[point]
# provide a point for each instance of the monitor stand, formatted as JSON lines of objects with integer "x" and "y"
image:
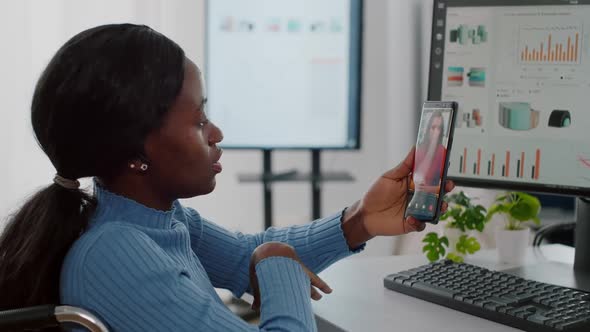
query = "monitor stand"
{"x": 561, "y": 274}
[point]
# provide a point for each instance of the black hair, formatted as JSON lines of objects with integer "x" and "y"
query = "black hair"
{"x": 93, "y": 106}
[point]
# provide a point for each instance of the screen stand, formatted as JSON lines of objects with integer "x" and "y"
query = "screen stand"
{"x": 316, "y": 177}
{"x": 582, "y": 236}
{"x": 561, "y": 274}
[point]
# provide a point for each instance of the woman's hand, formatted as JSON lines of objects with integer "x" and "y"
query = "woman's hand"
{"x": 381, "y": 210}
{"x": 383, "y": 206}
{"x": 271, "y": 249}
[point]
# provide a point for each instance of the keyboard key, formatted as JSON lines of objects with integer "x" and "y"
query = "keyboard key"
{"x": 540, "y": 319}
{"x": 439, "y": 291}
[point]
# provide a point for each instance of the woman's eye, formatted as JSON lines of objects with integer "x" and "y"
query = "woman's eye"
{"x": 203, "y": 123}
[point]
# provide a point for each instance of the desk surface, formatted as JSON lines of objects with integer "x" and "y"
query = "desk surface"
{"x": 360, "y": 302}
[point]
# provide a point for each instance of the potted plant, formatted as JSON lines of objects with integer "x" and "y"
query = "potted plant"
{"x": 461, "y": 218}
{"x": 518, "y": 208}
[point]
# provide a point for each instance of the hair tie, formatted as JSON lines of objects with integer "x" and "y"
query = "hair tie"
{"x": 66, "y": 183}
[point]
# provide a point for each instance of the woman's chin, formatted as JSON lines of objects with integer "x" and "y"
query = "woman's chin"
{"x": 203, "y": 189}
{"x": 212, "y": 185}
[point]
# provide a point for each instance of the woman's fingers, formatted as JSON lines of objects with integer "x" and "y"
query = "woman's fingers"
{"x": 449, "y": 186}
{"x": 315, "y": 294}
{"x": 415, "y": 224}
{"x": 319, "y": 283}
{"x": 444, "y": 207}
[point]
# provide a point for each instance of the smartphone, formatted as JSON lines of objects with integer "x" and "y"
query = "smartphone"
{"x": 433, "y": 146}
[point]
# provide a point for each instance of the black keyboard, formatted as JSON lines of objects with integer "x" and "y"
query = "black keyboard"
{"x": 525, "y": 304}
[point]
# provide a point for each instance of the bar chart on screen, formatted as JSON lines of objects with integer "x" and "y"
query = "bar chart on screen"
{"x": 550, "y": 45}
{"x": 501, "y": 164}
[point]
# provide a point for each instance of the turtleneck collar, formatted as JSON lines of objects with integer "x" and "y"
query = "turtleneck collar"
{"x": 113, "y": 207}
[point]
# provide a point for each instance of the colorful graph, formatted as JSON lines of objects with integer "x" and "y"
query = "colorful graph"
{"x": 555, "y": 45}
{"x": 455, "y": 76}
{"x": 465, "y": 34}
{"x": 502, "y": 164}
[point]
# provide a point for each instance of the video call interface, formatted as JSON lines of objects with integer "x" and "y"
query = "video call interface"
{"x": 521, "y": 76}
{"x": 429, "y": 162}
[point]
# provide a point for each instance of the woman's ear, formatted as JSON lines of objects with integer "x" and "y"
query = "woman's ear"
{"x": 139, "y": 164}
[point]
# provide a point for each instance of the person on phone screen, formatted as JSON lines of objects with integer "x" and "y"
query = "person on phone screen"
{"x": 122, "y": 104}
{"x": 430, "y": 156}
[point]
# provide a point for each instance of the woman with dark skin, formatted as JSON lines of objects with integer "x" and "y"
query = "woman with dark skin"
{"x": 122, "y": 104}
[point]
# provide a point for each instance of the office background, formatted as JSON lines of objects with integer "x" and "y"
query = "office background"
{"x": 395, "y": 61}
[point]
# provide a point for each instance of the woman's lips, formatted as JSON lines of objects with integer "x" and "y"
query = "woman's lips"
{"x": 217, "y": 167}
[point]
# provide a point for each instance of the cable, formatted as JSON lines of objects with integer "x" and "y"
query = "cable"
{"x": 547, "y": 230}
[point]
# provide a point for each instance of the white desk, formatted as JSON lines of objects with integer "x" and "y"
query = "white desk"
{"x": 360, "y": 302}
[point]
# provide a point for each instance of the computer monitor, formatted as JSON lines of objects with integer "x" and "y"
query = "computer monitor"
{"x": 520, "y": 71}
{"x": 285, "y": 74}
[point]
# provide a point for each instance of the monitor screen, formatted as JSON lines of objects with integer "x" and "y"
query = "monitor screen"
{"x": 520, "y": 71}
{"x": 284, "y": 73}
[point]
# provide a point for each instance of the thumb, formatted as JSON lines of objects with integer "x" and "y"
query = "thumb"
{"x": 404, "y": 168}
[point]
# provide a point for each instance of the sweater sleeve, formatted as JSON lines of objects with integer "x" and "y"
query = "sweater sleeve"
{"x": 226, "y": 255}
{"x": 132, "y": 285}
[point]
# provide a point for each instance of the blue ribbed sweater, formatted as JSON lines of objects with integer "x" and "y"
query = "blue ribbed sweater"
{"x": 139, "y": 269}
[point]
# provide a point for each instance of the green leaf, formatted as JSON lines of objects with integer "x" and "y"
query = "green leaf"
{"x": 432, "y": 256}
{"x": 455, "y": 257}
{"x": 431, "y": 237}
{"x": 467, "y": 244}
{"x": 522, "y": 211}
{"x": 526, "y": 208}
{"x": 480, "y": 209}
{"x": 435, "y": 246}
{"x": 518, "y": 206}
{"x": 498, "y": 208}
{"x": 460, "y": 246}
{"x": 472, "y": 245}
{"x": 501, "y": 197}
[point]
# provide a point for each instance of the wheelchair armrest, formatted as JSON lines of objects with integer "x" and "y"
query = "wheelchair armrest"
{"x": 29, "y": 318}
{"x": 49, "y": 316}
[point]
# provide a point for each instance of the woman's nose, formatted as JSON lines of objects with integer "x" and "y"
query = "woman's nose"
{"x": 216, "y": 135}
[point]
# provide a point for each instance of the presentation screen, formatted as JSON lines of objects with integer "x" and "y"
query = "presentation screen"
{"x": 284, "y": 74}
{"x": 520, "y": 71}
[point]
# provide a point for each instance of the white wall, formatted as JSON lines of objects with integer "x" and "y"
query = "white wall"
{"x": 393, "y": 63}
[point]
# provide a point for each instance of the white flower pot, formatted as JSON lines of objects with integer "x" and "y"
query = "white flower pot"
{"x": 512, "y": 245}
{"x": 452, "y": 235}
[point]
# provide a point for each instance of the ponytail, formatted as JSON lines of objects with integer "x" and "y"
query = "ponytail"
{"x": 100, "y": 96}
{"x": 35, "y": 242}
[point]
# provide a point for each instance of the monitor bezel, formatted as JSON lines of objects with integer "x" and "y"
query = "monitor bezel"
{"x": 354, "y": 88}
{"x": 439, "y": 13}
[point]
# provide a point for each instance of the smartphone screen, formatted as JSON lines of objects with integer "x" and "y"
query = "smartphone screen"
{"x": 433, "y": 145}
